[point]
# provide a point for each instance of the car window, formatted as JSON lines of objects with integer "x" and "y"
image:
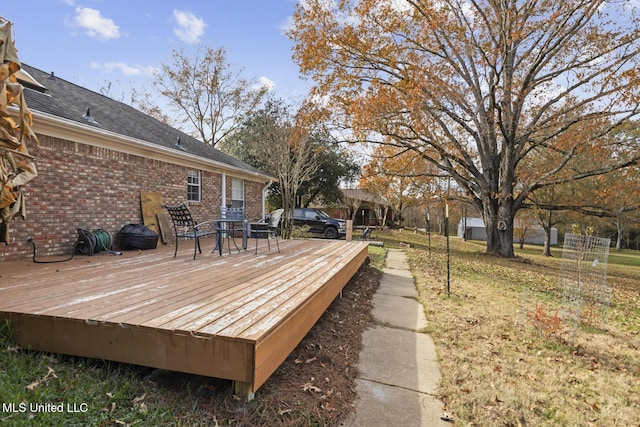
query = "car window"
{"x": 322, "y": 214}
{"x": 298, "y": 213}
{"x": 310, "y": 214}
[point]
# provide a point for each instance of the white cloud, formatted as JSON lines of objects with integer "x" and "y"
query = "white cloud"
{"x": 401, "y": 6}
{"x": 94, "y": 24}
{"x": 287, "y": 26}
{"x": 189, "y": 27}
{"x": 127, "y": 70}
{"x": 265, "y": 82}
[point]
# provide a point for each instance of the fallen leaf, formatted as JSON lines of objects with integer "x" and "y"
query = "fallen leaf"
{"x": 313, "y": 359}
{"x": 310, "y": 387}
{"x": 593, "y": 405}
{"x": 139, "y": 398}
{"x": 446, "y": 416}
{"x": 50, "y": 374}
{"x": 327, "y": 407}
{"x": 33, "y": 385}
{"x": 142, "y": 408}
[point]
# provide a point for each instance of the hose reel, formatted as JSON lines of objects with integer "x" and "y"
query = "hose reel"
{"x": 88, "y": 243}
{"x": 92, "y": 242}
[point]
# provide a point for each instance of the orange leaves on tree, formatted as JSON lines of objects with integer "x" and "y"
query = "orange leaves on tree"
{"x": 500, "y": 96}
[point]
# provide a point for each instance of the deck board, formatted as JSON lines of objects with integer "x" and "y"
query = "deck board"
{"x": 234, "y": 316}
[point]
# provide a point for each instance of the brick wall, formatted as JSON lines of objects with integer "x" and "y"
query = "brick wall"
{"x": 80, "y": 186}
{"x": 253, "y": 199}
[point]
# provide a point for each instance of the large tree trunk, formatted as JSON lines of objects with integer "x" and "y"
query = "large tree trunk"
{"x": 288, "y": 204}
{"x": 546, "y": 251}
{"x": 619, "y": 238}
{"x": 547, "y": 225}
{"x": 498, "y": 222}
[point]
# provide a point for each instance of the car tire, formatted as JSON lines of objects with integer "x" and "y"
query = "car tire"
{"x": 330, "y": 233}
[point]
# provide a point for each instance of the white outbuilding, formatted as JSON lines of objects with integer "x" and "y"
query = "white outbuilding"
{"x": 475, "y": 230}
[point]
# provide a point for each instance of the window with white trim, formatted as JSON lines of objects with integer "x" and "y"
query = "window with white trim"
{"x": 237, "y": 193}
{"x": 194, "y": 188}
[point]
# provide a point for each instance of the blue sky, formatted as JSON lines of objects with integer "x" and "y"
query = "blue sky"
{"x": 91, "y": 42}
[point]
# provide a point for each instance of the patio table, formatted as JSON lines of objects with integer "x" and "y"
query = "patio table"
{"x": 230, "y": 225}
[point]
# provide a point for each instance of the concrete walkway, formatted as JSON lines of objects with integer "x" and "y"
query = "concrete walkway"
{"x": 398, "y": 364}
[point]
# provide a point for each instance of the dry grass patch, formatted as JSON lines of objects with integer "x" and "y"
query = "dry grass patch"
{"x": 505, "y": 359}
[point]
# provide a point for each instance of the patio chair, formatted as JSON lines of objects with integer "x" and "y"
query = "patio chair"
{"x": 267, "y": 228}
{"x": 366, "y": 234}
{"x": 186, "y": 227}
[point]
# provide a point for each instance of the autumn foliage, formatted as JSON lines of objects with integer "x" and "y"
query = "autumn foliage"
{"x": 500, "y": 96}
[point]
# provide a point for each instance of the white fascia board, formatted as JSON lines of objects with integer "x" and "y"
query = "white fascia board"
{"x": 58, "y": 127}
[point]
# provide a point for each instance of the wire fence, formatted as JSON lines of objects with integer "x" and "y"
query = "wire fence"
{"x": 586, "y": 298}
{"x": 583, "y": 298}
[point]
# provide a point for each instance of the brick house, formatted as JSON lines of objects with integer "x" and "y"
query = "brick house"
{"x": 97, "y": 155}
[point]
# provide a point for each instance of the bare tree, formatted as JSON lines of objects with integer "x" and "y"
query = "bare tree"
{"x": 281, "y": 144}
{"x": 212, "y": 95}
{"x": 144, "y": 101}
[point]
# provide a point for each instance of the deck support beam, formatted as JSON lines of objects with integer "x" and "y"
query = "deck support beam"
{"x": 243, "y": 390}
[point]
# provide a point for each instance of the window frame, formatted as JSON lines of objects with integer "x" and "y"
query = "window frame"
{"x": 194, "y": 185}
{"x": 237, "y": 203}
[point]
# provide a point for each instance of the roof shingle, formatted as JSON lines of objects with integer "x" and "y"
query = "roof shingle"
{"x": 70, "y": 101}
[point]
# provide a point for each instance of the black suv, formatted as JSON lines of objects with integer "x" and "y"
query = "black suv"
{"x": 319, "y": 222}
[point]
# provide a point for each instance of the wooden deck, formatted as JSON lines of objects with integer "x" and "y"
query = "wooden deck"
{"x": 234, "y": 316}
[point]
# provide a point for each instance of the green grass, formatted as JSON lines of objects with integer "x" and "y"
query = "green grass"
{"x": 86, "y": 391}
{"x": 44, "y": 389}
{"x": 624, "y": 257}
{"x": 377, "y": 256}
{"x": 497, "y": 368}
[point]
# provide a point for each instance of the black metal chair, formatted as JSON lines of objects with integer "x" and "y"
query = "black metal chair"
{"x": 366, "y": 234}
{"x": 186, "y": 227}
{"x": 267, "y": 228}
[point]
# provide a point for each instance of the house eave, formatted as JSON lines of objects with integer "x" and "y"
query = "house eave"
{"x": 58, "y": 127}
